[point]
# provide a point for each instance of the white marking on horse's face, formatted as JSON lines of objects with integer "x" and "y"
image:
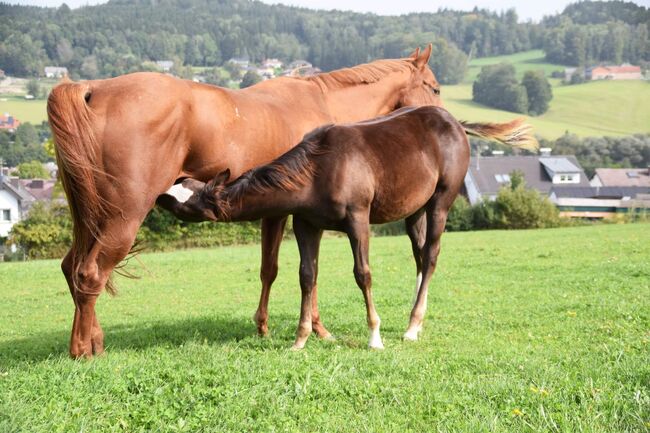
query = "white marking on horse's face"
{"x": 180, "y": 193}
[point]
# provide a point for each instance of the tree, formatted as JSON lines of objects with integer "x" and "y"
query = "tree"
{"x": 32, "y": 170}
{"x": 539, "y": 92}
{"x": 517, "y": 207}
{"x": 33, "y": 88}
{"x": 250, "y": 78}
{"x": 497, "y": 87}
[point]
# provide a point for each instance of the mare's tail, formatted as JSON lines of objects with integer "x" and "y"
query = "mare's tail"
{"x": 515, "y": 133}
{"x": 77, "y": 150}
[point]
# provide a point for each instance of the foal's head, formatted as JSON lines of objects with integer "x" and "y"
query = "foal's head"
{"x": 212, "y": 198}
{"x": 423, "y": 88}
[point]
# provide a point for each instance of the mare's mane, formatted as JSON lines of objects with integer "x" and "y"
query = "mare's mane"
{"x": 361, "y": 74}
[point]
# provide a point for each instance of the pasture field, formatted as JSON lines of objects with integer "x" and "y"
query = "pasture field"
{"x": 591, "y": 109}
{"x": 33, "y": 111}
{"x": 523, "y": 61}
{"x": 527, "y": 331}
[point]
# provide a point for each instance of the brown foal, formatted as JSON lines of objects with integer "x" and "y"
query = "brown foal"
{"x": 408, "y": 165}
{"x": 114, "y": 136}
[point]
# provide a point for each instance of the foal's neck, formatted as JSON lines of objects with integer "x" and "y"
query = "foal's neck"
{"x": 364, "y": 101}
{"x": 252, "y": 205}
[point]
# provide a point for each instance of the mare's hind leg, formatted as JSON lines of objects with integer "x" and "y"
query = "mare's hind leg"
{"x": 308, "y": 238}
{"x": 359, "y": 234}
{"x": 416, "y": 228}
{"x": 113, "y": 245}
{"x": 436, "y": 218}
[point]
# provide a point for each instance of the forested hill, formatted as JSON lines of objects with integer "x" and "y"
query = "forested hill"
{"x": 117, "y": 37}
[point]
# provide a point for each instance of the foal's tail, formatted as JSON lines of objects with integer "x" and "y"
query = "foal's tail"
{"x": 515, "y": 133}
{"x": 76, "y": 146}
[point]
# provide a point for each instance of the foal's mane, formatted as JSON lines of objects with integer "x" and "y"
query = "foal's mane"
{"x": 288, "y": 172}
{"x": 361, "y": 74}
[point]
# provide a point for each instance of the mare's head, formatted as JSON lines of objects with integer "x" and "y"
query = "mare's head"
{"x": 423, "y": 88}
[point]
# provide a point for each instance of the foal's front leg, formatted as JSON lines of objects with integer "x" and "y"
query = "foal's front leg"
{"x": 359, "y": 234}
{"x": 308, "y": 238}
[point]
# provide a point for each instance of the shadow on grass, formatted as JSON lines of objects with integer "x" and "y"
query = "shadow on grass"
{"x": 135, "y": 336}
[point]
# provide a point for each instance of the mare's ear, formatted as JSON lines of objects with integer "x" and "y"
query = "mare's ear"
{"x": 414, "y": 55}
{"x": 422, "y": 59}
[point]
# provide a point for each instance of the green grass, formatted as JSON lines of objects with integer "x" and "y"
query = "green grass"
{"x": 26, "y": 111}
{"x": 543, "y": 330}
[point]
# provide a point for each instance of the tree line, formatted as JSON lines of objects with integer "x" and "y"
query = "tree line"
{"x": 123, "y": 35}
{"x": 497, "y": 86}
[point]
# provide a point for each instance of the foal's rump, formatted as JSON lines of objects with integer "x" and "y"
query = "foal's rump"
{"x": 415, "y": 154}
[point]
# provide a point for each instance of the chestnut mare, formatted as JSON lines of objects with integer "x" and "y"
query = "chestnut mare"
{"x": 408, "y": 165}
{"x": 114, "y": 136}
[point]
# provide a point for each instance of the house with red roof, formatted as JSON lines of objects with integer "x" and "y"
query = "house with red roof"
{"x": 8, "y": 121}
{"x": 623, "y": 72}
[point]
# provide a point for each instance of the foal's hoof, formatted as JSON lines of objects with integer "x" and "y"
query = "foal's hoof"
{"x": 297, "y": 347}
{"x": 376, "y": 346}
{"x": 410, "y": 336}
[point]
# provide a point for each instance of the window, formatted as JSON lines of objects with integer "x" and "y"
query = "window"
{"x": 6, "y": 215}
{"x": 569, "y": 178}
{"x": 502, "y": 178}
{"x": 562, "y": 178}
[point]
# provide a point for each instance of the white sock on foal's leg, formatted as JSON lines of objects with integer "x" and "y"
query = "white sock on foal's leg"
{"x": 375, "y": 337}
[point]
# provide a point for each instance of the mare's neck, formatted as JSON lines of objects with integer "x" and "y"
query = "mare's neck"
{"x": 364, "y": 101}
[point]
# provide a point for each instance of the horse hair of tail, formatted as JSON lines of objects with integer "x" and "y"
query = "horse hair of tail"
{"x": 76, "y": 151}
{"x": 515, "y": 133}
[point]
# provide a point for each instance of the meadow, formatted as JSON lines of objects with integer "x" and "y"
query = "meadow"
{"x": 592, "y": 109}
{"x": 527, "y": 331}
{"x": 33, "y": 111}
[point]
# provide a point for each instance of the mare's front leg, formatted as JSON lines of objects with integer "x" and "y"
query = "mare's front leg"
{"x": 359, "y": 234}
{"x": 308, "y": 238}
{"x": 272, "y": 231}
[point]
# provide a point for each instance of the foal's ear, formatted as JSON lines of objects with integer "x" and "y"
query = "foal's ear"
{"x": 414, "y": 55}
{"x": 422, "y": 59}
{"x": 222, "y": 177}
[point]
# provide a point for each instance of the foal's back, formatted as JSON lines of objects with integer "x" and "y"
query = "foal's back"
{"x": 392, "y": 166}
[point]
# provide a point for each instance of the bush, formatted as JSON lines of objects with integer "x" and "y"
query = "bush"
{"x": 520, "y": 208}
{"x": 460, "y": 215}
{"x": 45, "y": 233}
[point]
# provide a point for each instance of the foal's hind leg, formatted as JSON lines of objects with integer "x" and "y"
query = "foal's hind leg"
{"x": 359, "y": 234}
{"x": 436, "y": 218}
{"x": 113, "y": 245}
{"x": 416, "y": 228}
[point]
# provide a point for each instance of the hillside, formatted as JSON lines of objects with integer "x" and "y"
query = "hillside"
{"x": 590, "y": 109}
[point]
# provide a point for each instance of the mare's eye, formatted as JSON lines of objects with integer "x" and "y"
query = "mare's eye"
{"x": 435, "y": 91}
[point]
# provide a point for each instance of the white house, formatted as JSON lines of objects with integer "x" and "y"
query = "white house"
{"x": 55, "y": 71}
{"x": 15, "y": 200}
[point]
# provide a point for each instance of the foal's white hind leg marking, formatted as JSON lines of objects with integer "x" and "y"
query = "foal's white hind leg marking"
{"x": 375, "y": 337}
{"x": 411, "y": 334}
{"x": 180, "y": 193}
